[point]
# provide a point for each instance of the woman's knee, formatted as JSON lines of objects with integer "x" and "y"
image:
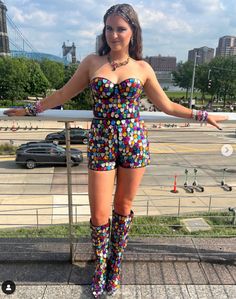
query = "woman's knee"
{"x": 123, "y": 207}
{"x": 99, "y": 218}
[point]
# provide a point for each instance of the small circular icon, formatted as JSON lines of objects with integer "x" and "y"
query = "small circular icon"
{"x": 227, "y": 150}
{"x": 8, "y": 287}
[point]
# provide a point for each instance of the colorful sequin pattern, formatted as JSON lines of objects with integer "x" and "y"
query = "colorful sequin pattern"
{"x": 118, "y": 142}
{"x": 119, "y": 238}
{"x": 100, "y": 239}
{"x": 119, "y": 101}
{"x": 118, "y": 137}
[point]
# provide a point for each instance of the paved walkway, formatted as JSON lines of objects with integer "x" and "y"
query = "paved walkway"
{"x": 167, "y": 268}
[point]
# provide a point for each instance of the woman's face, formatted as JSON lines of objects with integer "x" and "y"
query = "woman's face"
{"x": 118, "y": 33}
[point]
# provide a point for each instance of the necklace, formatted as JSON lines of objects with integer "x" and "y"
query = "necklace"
{"x": 115, "y": 65}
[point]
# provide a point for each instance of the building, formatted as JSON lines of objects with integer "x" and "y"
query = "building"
{"x": 226, "y": 46}
{"x": 204, "y": 54}
{"x": 4, "y": 40}
{"x": 98, "y": 42}
{"x": 162, "y": 63}
{"x": 163, "y": 67}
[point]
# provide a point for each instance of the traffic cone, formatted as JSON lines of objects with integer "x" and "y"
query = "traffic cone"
{"x": 175, "y": 187}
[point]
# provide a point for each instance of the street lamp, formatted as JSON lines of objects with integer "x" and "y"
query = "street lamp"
{"x": 193, "y": 78}
{"x": 208, "y": 79}
{"x": 209, "y": 74}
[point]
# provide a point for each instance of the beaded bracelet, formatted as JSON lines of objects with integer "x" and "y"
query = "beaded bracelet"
{"x": 33, "y": 109}
{"x": 199, "y": 115}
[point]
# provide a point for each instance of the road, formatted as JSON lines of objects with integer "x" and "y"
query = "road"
{"x": 41, "y": 193}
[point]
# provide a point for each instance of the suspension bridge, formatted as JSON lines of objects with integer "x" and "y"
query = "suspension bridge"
{"x": 13, "y": 42}
{"x": 17, "y": 40}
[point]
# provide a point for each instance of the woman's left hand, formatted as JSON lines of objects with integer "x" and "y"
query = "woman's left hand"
{"x": 214, "y": 119}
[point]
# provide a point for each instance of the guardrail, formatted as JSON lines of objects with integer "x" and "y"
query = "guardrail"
{"x": 46, "y": 197}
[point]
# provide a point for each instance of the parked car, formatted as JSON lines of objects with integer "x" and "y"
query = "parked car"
{"x": 32, "y": 154}
{"x": 77, "y": 135}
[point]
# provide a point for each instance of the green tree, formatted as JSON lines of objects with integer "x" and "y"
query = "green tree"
{"x": 69, "y": 71}
{"x": 84, "y": 100}
{"x": 223, "y": 77}
{"x": 201, "y": 79}
{"x": 183, "y": 75}
{"x": 13, "y": 78}
{"x": 37, "y": 83}
{"x": 21, "y": 77}
{"x": 54, "y": 72}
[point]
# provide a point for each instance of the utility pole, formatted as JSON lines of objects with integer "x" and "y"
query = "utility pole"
{"x": 193, "y": 79}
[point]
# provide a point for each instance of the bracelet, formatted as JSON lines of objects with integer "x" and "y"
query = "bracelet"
{"x": 199, "y": 115}
{"x": 33, "y": 109}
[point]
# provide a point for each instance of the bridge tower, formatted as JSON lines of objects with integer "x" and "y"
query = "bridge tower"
{"x": 69, "y": 50}
{"x": 4, "y": 40}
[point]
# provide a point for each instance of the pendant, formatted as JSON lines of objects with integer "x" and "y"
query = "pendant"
{"x": 115, "y": 65}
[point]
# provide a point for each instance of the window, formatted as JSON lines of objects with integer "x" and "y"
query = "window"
{"x": 37, "y": 150}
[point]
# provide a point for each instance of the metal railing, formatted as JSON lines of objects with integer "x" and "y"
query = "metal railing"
{"x": 44, "y": 197}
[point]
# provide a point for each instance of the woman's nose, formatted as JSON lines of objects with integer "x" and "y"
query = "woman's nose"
{"x": 114, "y": 32}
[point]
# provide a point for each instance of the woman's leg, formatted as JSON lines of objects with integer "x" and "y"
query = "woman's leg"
{"x": 100, "y": 189}
{"x": 101, "y": 184}
{"x": 128, "y": 181}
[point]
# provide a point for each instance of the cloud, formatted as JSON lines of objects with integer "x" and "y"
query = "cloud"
{"x": 203, "y": 6}
{"x": 34, "y": 17}
{"x": 170, "y": 27}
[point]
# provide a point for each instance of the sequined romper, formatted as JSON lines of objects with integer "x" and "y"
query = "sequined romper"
{"x": 117, "y": 136}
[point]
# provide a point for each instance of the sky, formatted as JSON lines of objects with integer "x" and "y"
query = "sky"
{"x": 169, "y": 27}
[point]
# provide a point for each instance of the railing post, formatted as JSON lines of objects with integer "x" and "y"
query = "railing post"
{"x": 209, "y": 206}
{"x": 69, "y": 186}
{"x": 37, "y": 218}
{"x": 179, "y": 207}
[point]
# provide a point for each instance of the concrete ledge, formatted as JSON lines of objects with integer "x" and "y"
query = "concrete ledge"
{"x": 170, "y": 249}
{"x": 139, "y": 249}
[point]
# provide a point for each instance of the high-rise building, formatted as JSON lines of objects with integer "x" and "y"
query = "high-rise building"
{"x": 226, "y": 46}
{"x": 4, "y": 40}
{"x": 204, "y": 54}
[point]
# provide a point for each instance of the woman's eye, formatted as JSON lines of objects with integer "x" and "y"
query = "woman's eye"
{"x": 108, "y": 29}
{"x": 121, "y": 29}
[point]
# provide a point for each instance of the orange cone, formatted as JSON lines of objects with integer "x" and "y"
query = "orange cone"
{"x": 175, "y": 185}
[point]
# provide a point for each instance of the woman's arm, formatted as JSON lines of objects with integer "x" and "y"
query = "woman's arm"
{"x": 158, "y": 97}
{"x": 75, "y": 85}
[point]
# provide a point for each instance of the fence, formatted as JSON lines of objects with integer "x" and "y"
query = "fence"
{"x": 47, "y": 208}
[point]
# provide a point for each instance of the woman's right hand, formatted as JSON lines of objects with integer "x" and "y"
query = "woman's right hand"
{"x": 15, "y": 112}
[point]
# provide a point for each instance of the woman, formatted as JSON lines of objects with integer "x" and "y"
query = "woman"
{"x": 118, "y": 147}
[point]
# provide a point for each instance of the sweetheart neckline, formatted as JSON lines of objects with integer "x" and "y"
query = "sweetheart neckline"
{"x": 115, "y": 83}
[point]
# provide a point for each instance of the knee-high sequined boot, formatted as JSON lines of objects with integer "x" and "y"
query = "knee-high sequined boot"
{"x": 100, "y": 239}
{"x": 119, "y": 238}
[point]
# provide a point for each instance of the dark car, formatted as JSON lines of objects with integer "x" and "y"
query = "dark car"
{"x": 32, "y": 154}
{"x": 77, "y": 135}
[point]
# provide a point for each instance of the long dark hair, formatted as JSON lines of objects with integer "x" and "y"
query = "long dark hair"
{"x": 127, "y": 12}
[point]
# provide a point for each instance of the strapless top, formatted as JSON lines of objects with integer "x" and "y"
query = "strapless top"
{"x": 116, "y": 100}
